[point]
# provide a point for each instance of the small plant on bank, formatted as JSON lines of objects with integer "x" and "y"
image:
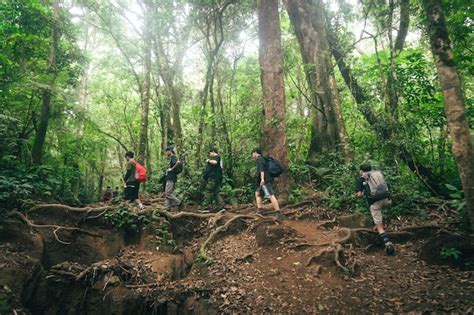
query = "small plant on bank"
{"x": 164, "y": 236}
{"x": 204, "y": 259}
{"x": 450, "y": 252}
{"x": 124, "y": 218}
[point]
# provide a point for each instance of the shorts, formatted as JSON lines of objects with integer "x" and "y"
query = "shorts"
{"x": 376, "y": 209}
{"x": 269, "y": 187}
{"x": 131, "y": 191}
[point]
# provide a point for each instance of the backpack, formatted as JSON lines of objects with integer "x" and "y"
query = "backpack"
{"x": 179, "y": 167}
{"x": 140, "y": 172}
{"x": 378, "y": 188}
{"x": 274, "y": 167}
{"x": 206, "y": 171}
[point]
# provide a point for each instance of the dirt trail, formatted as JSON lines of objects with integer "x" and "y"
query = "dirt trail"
{"x": 250, "y": 264}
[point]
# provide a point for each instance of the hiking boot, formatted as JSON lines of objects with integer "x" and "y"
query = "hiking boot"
{"x": 180, "y": 206}
{"x": 389, "y": 248}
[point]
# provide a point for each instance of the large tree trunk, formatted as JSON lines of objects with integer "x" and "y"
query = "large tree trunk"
{"x": 308, "y": 21}
{"x": 145, "y": 91}
{"x": 40, "y": 137}
{"x": 458, "y": 123}
{"x": 271, "y": 68}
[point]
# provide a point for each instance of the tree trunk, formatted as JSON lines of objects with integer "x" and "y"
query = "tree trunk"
{"x": 308, "y": 20}
{"x": 145, "y": 92}
{"x": 271, "y": 69}
{"x": 40, "y": 137}
{"x": 228, "y": 162}
{"x": 345, "y": 142}
{"x": 458, "y": 123}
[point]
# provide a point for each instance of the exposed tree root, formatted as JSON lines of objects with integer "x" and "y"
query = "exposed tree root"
{"x": 300, "y": 204}
{"x": 224, "y": 227}
{"x": 56, "y": 228}
{"x": 170, "y": 216}
{"x": 70, "y": 209}
{"x": 337, "y": 249}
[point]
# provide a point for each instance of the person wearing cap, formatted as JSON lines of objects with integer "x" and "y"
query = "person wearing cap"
{"x": 213, "y": 177}
{"x": 171, "y": 178}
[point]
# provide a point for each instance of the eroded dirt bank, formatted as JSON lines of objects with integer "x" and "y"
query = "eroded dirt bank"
{"x": 233, "y": 262}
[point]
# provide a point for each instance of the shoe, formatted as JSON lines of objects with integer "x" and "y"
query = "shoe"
{"x": 389, "y": 248}
{"x": 180, "y": 206}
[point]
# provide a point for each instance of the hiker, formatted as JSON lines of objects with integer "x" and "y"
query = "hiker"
{"x": 131, "y": 184}
{"x": 264, "y": 184}
{"x": 372, "y": 184}
{"x": 108, "y": 194}
{"x": 213, "y": 177}
{"x": 174, "y": 168}
{"x": 115, "y": 192}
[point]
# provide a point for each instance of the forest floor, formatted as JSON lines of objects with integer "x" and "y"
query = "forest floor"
{"x": 71, "y": 261}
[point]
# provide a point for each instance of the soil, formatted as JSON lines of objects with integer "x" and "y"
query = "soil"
{"x": 303, "y": 265}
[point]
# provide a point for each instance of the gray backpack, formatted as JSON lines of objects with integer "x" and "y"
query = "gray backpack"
{"x": 378, "y": 188}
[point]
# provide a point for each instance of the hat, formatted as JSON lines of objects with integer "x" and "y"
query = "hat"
{"x": 170, "y": 148}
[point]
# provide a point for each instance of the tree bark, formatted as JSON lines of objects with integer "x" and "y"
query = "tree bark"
{"x": 145, "y": 91}
{"x": 271, "y": 69}
{"x": 308, "y": 20}
{"x": 40, "y": 137}
{"x": 404, "y": 24}
{"x": 458, "y": 124}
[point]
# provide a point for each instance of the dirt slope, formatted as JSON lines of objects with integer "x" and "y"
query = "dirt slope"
{"x": 249, "y": 264}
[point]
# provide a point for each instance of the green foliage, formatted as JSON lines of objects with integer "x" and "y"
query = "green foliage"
{"x": 124, "y": 218}
{"x": 5, "y": 308}
{"x": 164, "y": 236}
{"x": 450, "y": 252}
{"x": 458, "y": 201}
{"x": 204, "y": 259}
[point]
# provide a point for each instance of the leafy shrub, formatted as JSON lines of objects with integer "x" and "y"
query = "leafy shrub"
{"x": 123, "y": 218}
{"x": 164, "y": 236}
{"x": 450, "y": 252}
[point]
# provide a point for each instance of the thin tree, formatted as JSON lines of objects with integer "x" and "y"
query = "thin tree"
{"x": 40, "y": 137}
{"x": 145, "y": 90}
{"x": 271, "y": 76}
{"x": 458, "y": 124}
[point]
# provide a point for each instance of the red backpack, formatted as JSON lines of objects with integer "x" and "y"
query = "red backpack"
{"x": 140, "y": 172}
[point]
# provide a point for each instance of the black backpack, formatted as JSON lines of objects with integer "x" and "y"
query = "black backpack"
{"x": 179, "y": 167}
{"x": 274, "y": 167}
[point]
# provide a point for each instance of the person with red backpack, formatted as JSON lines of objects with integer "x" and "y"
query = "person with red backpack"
{"x": 134, "y": 174}
{"x": 372, "y": 185}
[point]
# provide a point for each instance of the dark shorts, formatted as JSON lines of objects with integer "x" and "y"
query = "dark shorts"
{"x": 131, "y": 191}
{"x": 269, "y": 188}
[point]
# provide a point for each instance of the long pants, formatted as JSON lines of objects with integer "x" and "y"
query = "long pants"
{"x": 170, "y": 198}
{"x": 212, "y": 194}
